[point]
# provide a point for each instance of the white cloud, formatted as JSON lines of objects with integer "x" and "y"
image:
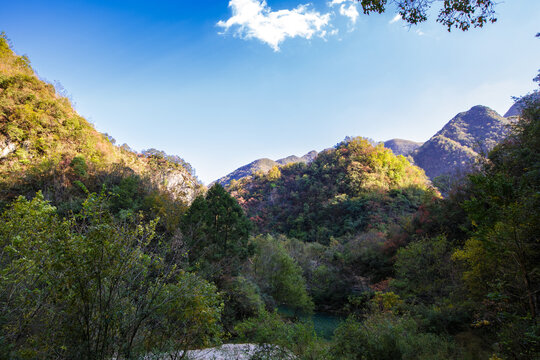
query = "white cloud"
{"x": 349, "y": 10}
{"x": 420, "y": 32}
{"x": 395, "y": 19}
{"x": 254, "y": 19}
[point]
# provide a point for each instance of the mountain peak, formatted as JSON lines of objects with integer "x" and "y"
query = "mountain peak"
{"x": 466, "y": 136}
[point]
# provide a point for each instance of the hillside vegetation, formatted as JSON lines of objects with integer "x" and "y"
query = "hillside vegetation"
{"x": 402, "y": 147}
{"x": 45, "y": 145}
{"x": 264, "y": 166}
{"x": 345, "y": 190}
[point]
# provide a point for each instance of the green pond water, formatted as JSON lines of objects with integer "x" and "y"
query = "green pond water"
{"x": 324, "y": 323}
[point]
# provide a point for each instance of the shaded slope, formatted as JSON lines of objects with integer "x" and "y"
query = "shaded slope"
{"x": 517, "y": 107}
{"x": 401, "y": 146}
{"x": 455, "y": 147}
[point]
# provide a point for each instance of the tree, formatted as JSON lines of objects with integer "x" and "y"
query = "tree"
{"x": 90, "y": 287}
{"x": 424, "y": 271}
{"x": 385, "y": 336}
{"x": 431, "y": 285}
{"x": 216, "y": 234}
{"x": 502, "y": 255}
{"x": 504, "y": 212}
{"x": 278, "y": 275}
{"x": 460, "y": 14}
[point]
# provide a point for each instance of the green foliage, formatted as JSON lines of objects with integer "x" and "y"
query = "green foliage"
{"x": 519, "y": 338}
{"x": 381, "y": 337}
{"x": 285, "y": 338}
{"x": 344, "y": 191}
{"x": 216, "y": 233}
{"x": 242, "y": 300}
{"x": 278, "y": 275}
{"x": 471, "y": 268}
{"x": 79, "y": 166}
{"x": 89, "y": 287}
{"x": 502, "y": 254}
{"x": 424, "y": 271}
{"x": 127, "y": 196}
{"x": 431, "y": 284}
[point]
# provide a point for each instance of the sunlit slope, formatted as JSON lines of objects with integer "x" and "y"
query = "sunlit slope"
{"x": 45, "y": 144}
{"x": 352, "y": 188}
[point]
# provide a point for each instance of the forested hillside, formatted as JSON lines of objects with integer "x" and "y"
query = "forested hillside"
{"x": 45, "y": 145}
{"x": 343, "y": 191}
{"x": 343, "y": 206}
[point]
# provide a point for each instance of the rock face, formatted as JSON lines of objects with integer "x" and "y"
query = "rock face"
{"x": 6, "y": 148}
{"x": 454, "y": 148}
{"x": 240, "y": 352}
{"x": 178, "y": 183}
{"x": 264, "y": 165}
{"x": 401, "y": 146}
{"x": 229, "y": 352}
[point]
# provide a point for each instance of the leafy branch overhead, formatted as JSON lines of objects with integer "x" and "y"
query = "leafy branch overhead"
{"x": 460, "y": 14}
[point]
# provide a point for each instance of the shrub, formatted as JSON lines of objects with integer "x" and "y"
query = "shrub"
{"x": 386, "y": 337}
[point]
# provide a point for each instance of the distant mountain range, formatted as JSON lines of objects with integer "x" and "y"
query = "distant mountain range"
{"x": 451, "y": 150}
{"x": 264, "y": 165}
{"x": 402, "y": 147}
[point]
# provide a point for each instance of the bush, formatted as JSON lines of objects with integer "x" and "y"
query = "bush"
{"x": 385, "y": 336}
{"x": 268, "y": 328}
{"x": 79, "y": 166}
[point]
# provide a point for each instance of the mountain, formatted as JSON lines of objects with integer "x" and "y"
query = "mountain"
{"x": 264, "y": 165}
{"x": 45, "y": 145}
{"x": 515, "y": 109}
{"x": 455, "y": 147}
{"x": 342, "y": 192}
{"x": 310, "y": 156}
{"x": 402, "y": 147}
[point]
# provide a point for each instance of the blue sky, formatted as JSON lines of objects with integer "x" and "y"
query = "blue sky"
{"x": 222, "y": 85}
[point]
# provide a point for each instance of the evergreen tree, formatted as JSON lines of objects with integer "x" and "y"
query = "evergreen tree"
{"x": 216, "y": 234}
